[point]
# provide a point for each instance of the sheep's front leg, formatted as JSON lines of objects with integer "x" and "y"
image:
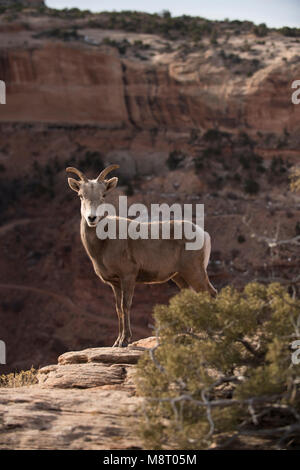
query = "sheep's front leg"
{"x": 127, "y": 286}
{"x": 116, "y": 287}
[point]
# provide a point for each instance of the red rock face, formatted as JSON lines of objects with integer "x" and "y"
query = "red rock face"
{"x": 74, "y": 86}
{"x": 64, "y": 83}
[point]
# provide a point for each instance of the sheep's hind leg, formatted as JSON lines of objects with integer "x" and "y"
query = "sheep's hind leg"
{"x": 199, "y": 282}
{"x": 180, "y": 282}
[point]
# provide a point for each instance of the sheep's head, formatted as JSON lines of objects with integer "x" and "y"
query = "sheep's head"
{"x": 92, "y": 192}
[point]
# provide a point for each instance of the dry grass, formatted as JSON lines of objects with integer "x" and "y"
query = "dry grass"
{"x": 19, "y": 379}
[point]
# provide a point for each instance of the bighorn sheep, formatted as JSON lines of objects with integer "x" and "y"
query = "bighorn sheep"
{"x": 122, "y": 263}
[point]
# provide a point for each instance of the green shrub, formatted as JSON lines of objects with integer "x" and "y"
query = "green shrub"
{"x": 278, "y": 166}
{"x": 231, "y": 59}
{"x": 291, "y": 32}
{"x": 214, "y": 37}
{"x": 92, "y": 161}
{"x": 251, "y": 186}
{"x": 237, "y": 177}
{"x": 222, "y": 369}
{"x": 120, "y": 45}
{"x": 199, "y": 162}
{"x": 175, "y": 159}
{"x": 166, "y": 14}
{"x": 245, "y": 162}
{"x": 261, "y": 30}
{"x": 141, "y": 45}
{"x": 215, "y": 135}
{"x": 57, "y": 33}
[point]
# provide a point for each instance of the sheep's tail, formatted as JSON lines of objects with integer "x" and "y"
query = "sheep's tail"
{"x": 207, "y": 249}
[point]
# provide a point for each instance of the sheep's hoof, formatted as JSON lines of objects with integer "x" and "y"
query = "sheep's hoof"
{"x": 214, "y": 294}
{"x": 120, "y": 343}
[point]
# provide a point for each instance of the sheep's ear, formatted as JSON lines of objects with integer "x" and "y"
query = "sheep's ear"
{"x": 111, "y": 184}
{"x": 74, "y": 184}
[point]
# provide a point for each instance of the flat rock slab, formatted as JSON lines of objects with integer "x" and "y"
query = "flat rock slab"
{"x": 35, "y": 418}
{"x": 103, "y": 355}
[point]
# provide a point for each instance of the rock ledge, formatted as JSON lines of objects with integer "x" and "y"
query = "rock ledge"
{"x": 86, "y": 401}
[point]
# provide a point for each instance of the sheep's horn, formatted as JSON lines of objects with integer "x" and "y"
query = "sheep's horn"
{"x": 106, "y": 171}
{"x": 70, "y": 169}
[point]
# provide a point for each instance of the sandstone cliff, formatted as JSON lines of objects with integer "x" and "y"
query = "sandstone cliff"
{"x": 139, "y": 92}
